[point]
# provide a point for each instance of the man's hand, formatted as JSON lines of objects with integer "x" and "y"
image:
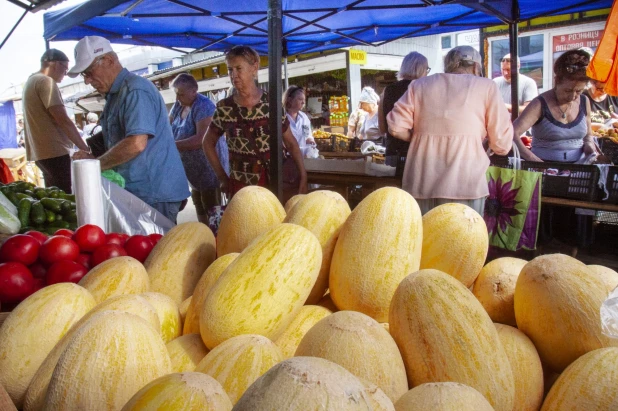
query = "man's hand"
{"x": 82, "y": 155}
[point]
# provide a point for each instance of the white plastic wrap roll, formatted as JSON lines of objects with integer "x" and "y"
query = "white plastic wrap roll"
{"x": 87, "y": 189}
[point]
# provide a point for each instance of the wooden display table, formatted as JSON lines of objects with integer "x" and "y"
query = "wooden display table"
{"x": 21, "y": 169}
{"x": 343, "y": 183}
{"x": 592, "y": 205}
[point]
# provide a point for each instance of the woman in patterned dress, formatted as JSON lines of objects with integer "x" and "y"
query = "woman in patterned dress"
{"x": 243, "y": 118}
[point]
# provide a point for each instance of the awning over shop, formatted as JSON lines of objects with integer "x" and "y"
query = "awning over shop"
{"x": 307, "y": 26}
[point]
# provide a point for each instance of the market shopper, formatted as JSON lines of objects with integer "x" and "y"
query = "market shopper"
{"x": 293, "y": 102}
{"x": 190, "y": 117}
{"x": 243, "y": 118}
{"x": 603, "y": 107}
{"x": 355, "y": 122}
{"x": 526, "y": 87}
{"x": 560, "y": 118}
{"x": 370, "y": 129}
{"x": 49, "y": 132}
{"x": 136, "y": 130}
{"x": 413, "y": 66}
{"x": 446, "y": 117}
{"x": 93, "y": 126}
{"x": 561, "y": 132}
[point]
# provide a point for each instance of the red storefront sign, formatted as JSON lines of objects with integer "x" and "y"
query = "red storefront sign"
{"x": 572, "y": 41}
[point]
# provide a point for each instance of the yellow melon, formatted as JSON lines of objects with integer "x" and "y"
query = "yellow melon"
{"x": 306, "y": 383}
{"x": 186, "y": 352}
{"x": 378, "y": 399}
{"x": 168, "y": 313}
{"x": 181, "y": 391}
{"x": 362, "y": 346}
{"x": 455, "y": 241}
{"x": 443, "y": 396}
{"x": 6, "y": 404}
{"x": 308, "y": 316}
{"x": 264, "y": 288}
{"x": 444, "y": 334}
{"x": 386, "y": 327}
{"x": 328, "y": 303}
{"x": 609, "y": 276}
{"x": 323, "y": 213}
{"x": 292, "y": 202}
{"x": 109, "y": 359}
{"x": 183, "y": 308}
{"x": 589, "y": 383}
{"x": 526, "y": 367}
{"x": 495, "y": 288}
{"x": 132, "y": 304}
{"x": 379, "y": 244}
{"x": 116, "y": 276}
{"x": 208, "y": 279}
{"x": 179, "y": 259}
{"x": 557, "y": 302}
{"x": 32, "y": 330}
{"x": 252, "y": 211}
{"x": 239, "y": 361}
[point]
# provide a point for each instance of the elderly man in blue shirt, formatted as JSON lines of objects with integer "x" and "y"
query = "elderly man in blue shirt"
{"x": 137, "y": 134}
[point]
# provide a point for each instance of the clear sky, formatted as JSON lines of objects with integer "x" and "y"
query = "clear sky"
{"x": 21, "y": 55}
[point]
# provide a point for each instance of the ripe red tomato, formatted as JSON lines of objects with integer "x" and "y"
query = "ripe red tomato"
{"x": 21, "y": 249}
{"x": 38, "y": 270}
{"x": 88, "y": 237}
{"x": 155, "y": 238}
{"x": 116, "y": 238}
{"x": 85, "y": 260}
{"x": 65, "y": 271}
{"x": 38, "y": 235}
{"x": 105, "y": 252}
{"x": 58, "y": 248}
{"x": 38, "y": 284}
{"x": 16, "y": 282}
{"x": 138, "y": 247}
{"x": 64, "y": 232}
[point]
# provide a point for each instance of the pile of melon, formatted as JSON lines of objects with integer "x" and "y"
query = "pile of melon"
{"x": 317, "y": 307}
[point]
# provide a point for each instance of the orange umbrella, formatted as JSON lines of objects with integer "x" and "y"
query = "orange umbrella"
{"x": 604, "y": 64}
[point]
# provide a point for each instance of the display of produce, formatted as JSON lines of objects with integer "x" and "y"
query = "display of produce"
{"x": 260, "y": 333}
{"x": 42, "y": 209}
{"x": 332, "y": 142}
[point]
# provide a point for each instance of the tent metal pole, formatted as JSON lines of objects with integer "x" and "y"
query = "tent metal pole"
{"x": 13, "y": 29}
{"x": 513, "y": 45}
{"x": 286, "y": 80}
{"x": 275, "y": 35}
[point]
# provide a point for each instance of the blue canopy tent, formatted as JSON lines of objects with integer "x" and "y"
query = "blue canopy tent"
{"x": 284, "y": 27}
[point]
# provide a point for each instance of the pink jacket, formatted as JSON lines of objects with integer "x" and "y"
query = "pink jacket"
{"x": 451, "y": 115}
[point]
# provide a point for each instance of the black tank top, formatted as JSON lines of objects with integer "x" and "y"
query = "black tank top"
{"x": 392, "y": 93}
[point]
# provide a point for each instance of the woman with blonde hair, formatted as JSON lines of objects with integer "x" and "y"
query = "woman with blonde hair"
{"x": 243, "y": 118}
{"x": 446, "y": 117}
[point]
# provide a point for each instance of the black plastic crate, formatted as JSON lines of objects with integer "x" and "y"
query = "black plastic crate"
{"x": 563, "y": 180}
{"x": 610, "y": 149}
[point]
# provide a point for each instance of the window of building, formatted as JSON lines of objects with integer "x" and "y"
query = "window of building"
{"x": 446, "y": 42}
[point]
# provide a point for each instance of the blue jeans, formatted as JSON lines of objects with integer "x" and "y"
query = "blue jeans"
{"x": 169, "y": 210}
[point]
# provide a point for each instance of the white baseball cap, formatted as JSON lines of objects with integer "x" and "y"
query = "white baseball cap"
{"x": 86, "y": 51}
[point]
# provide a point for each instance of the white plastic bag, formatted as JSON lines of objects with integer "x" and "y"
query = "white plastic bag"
{"x": 609, "y": 315}
{"x": 126, "y": 213}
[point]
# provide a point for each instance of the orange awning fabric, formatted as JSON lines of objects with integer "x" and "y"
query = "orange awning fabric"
{"x": 604, "y": 64}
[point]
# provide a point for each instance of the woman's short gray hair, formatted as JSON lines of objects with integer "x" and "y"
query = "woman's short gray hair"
{"x": 462, "y": 57}
{"x": 185, "y": 80}
{"x": 92, "y": 117}
{"x": 413, "y": 66}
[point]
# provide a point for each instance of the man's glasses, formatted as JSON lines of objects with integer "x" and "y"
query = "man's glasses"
{"x": 506, "y": 60}
{"x": 88, "y": 72}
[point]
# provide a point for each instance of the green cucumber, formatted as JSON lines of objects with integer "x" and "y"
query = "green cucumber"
{"x": 50, "y": 216}
{"x": 37, "y": 213}
{"x": 12, "y": 196}
{"x": 71, "y": 217}
{"x": 21, "y": 196}
{"x": 51, "y": 204}
{"x": 23, "y": 211}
